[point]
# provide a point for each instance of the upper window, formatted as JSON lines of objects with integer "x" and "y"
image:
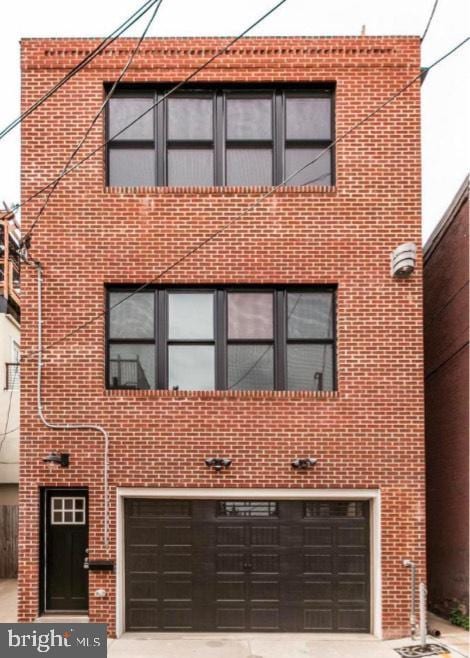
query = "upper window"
{"x": 220, "y": 137}
{"x": 224, "y": 338}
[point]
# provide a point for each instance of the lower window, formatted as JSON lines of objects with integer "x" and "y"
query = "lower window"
{"x": 221, "y": 338}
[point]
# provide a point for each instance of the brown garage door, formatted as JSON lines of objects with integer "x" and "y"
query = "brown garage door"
{"x": 247, "y": 565}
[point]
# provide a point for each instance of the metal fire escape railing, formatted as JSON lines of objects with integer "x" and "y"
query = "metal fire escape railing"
{"x": 127, "y": 373}
{"x": 10, "y": 259}
{"x": 12, "y": 376}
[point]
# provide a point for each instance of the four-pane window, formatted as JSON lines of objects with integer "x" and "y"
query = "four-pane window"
{"x": 224, "y": 338}
{"x": 220, "y": 137}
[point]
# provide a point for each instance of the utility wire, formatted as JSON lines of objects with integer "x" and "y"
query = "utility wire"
{"x": 260, "y": 199}
{"x": 428, "y": 24}
{"x": 95, "y": 119}
{"x": 220, "y": 52}
{"x": 82, "y": 64}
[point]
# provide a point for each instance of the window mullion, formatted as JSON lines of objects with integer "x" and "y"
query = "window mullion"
{"x": 278, "y": 137}
{"x": 220, "y": 335}
{"x": 219, "y": 150}
{"x": 161, "y": 339}
{"x": 280, "y": 345}
{"x": 160, "y": 140}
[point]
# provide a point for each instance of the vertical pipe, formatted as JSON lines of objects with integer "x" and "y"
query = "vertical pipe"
{"x": 422, "y": 614}
{"x": 409, "y": 564}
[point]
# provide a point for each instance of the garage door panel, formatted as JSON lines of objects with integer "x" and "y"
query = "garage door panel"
{"x": 176, "y": 562}
{"x": 352, "y": 620}
{"x": 141, "y": 618}
{"x": 318, "y": 563}
{"x": 264, "y": 535}
{"x": 230, "y": 535}
{"x": 351, "y": 536}
{"x": 318, "y": 619}
{"x": 142, "y": 558}
{"x": 176, "y": 535}
{"x": 265, "y": 590}
{"x": 176, "y": 589}
{"x": 143, "y": 587}
{"x": 264, "y": 619}
{"x": 318, "y": 591}
{"x": 352, "y": 564}
{"x": 239, "y": 566}
{"x": 349, "y": 591}
{"x": 318, "y": 536}
{"x": 230, "y": 619}
{"x": 231, "y": 590}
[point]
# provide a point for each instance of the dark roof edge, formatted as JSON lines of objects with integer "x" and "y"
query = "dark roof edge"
{"x": 446, "y": 220}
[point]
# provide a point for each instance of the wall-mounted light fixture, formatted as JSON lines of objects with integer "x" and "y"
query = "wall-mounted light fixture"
{"x": 62, "y": 459}
{"x": 218, "y": 463}
{"x": 304, "y": 464}
{"x": 404, "y": 259}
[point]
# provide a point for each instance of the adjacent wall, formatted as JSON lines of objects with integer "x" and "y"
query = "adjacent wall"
{"x": 447, "y": 395}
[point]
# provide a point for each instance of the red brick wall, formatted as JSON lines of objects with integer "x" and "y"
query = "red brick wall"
{"x": 447, "y": 421}
{"x": 369, "y": 434}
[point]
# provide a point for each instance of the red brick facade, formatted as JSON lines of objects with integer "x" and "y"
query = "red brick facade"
{"x": 367, "y": 434}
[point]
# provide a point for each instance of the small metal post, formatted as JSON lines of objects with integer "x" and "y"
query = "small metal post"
{"x": 423, "y": 626}
{"x": 411, "y": 565}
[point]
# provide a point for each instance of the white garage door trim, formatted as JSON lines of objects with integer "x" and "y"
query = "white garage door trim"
{"x": 372, "y": 495}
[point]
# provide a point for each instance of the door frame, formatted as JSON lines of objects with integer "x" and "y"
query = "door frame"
{"x": 44, "y": 491}
{"x": 372, "y": 495}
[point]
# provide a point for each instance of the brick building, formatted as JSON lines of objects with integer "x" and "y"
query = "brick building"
{"x": 283, "y": 338}
{"x": 445, "y": 279}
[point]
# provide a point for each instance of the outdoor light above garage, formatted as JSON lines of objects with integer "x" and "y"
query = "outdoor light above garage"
{"x": 218, "y": 463}
{"x": 304, "y": 464}
{"x": 62, "y": 459}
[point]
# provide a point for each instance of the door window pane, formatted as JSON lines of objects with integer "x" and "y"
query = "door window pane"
{"x": 250, "y": 367}
{"x": 318, "y": 173}
{"x": 191, "y": 316}
{"x": 249, "y": 118}
{"x": 190, "y": 167}
{"x": 191, "y": 367}
{"x": 133, "y": 317}
{"x": 131, "y": 366}
{"x": 308, "y": 118}
{"x": 250, "y": 315}
{"x": 250, "y": 166}
{"x": 190, "y": 118}
{"x": 310, "y": 367}
{"x": 131, "y": 167}
{"x": 310, "y": 315}
{"x": 123, "y": 111}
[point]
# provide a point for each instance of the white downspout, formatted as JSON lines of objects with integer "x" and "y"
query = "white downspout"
{"x": 69, "y": 426}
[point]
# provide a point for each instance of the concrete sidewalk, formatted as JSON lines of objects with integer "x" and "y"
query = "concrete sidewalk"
{"x": 259, "y": 645}
{"x": 8, "y": 589}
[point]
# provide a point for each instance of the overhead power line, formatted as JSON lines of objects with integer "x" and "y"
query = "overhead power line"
{"x": 95, "y": 118}
{"x": 254, "y": 205}
{"x": 428, "y": 24}
{"x": 82, "y": 64}
{"x": 207, "y": 63}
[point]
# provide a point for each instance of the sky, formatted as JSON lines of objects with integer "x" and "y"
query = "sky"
{"x": 445, "y": 93}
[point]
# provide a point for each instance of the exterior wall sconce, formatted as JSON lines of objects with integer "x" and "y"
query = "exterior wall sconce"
{"x": 62, "y": 459}
{"x": 304, "y": 464}
{"x": 218, "y": 463}
{"x": 404, "y": 260}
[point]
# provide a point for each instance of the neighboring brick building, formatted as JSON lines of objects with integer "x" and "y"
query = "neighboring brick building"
{"x": 447, "y": 394}
{"x": 260, "y": 545}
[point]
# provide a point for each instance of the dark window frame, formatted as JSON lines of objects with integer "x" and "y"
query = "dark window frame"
{"x": 221, "y": 341}
{"x": 220, "y": 143}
